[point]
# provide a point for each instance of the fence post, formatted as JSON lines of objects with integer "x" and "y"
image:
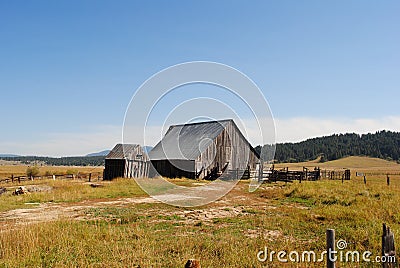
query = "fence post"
{"x": 383, "y": 243}
{"x": 365, "y": 180}
{"x": 12, "y": 177}
{"x": 306, "y": 177}
{"x": 90, "y": 177}
{"x": 387, "y": 179}
{"x": 330, "y": 248}
{"x": 388, "y": 248}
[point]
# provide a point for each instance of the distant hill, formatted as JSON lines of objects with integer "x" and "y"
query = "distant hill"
{"x": 352, "y": 162}
{"x": 92, "y": 159}
{"x": 382, "y": 144}
{"x": 102, "y": 153}
{"x": 59, "y": 161}
{"x": 8, "y": 155}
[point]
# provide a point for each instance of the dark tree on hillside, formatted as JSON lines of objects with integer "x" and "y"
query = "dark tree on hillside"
{"x": 61, "y": 161}
{"x": 382, "y": 144}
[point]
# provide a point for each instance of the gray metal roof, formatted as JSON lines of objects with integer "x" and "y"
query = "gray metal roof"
{"x": 187, "y": 141}
{"x": 122, "y": 151}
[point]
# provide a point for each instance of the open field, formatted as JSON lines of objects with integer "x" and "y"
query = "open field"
{"x": 17, "y": 170}
{"x": 75, "y": 225}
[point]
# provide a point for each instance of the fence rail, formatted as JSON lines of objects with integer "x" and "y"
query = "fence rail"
{"x": 81, "y": 176}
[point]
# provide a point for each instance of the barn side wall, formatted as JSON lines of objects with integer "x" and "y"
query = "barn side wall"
{"x": 114, "y": 168}
{"x": 137, "y": 164}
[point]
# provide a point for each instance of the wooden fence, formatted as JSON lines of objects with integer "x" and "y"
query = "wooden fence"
{"x": 273, "y": 175}
{"x": 336, "y": 174}
{"x": 292, "y": 175}
{"x": 286, "y": 175}
{"x": 307, "y": 174}
{"x": 80, "y": 176}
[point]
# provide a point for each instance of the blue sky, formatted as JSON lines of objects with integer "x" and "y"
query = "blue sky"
{"x": 69, "y": 68}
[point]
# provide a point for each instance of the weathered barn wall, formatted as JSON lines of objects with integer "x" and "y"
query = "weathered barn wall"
{"x": 174, "y": 168}
{"x": 136, "y": 168}
{"x": 114, "y": 168}
{"x": 126, "y": 161}
{"x": 229, "y": 147}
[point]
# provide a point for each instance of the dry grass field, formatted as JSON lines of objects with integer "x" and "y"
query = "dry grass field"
{"x": 118, "y": 225}
{"x": 19, "y": 170}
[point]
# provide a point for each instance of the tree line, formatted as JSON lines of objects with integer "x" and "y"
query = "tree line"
{"x": 382, "y": 144}
{"x": 59, "y": 161}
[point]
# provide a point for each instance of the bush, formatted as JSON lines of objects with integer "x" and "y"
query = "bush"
{"x": 32, "y": 171}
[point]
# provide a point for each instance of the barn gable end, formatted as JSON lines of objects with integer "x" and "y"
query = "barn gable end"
{"x": 126, "y": 161}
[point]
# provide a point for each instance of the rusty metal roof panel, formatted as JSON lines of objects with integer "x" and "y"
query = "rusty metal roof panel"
{"x": 187, "y": 141}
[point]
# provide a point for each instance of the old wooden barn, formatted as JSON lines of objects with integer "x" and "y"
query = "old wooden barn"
{"x": 126, "y": 161}
{"x": 203, "y": 150}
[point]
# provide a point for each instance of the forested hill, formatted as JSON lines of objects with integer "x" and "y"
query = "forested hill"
{"x": 382, "y": 144}
{"x": 61, "y": 161}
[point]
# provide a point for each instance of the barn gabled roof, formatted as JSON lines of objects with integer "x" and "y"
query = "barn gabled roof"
{"x": 188, "y": 141}
{"x": 122, "y": 151}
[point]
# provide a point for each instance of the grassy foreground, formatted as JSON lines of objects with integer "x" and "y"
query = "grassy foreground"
{"x": 67, "y": 191}
{"x": 277, "y": 216}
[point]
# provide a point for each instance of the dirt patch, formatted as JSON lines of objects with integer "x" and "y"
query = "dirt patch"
{"x": 209, "y": 214}
{"x": 271, "y": 235}
{"x": 50, "y": 211}
{"x": 237, "y": 203}
{"x": 38, "y": 188}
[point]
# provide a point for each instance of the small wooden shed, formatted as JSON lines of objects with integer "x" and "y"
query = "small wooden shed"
{"x": 203, "y": 150}
{"x": 126, "y": 161}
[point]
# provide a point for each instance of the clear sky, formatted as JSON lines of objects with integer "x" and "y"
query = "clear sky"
{"x": 69, "y": 68}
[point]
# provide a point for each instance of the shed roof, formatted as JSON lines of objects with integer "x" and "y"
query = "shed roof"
{"x": 188, "y": 141}
{"x": 122, "y": 151}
